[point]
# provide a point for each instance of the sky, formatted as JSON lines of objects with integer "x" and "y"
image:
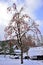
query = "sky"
{"x": 34, "y": 8}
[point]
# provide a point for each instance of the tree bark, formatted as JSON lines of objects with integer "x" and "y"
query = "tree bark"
{"x": 21, "y": 55}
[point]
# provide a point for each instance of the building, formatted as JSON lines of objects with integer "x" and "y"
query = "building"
{"x": 36, "y": 53}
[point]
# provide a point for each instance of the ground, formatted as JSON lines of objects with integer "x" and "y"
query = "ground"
{"x": 8, "y": 61}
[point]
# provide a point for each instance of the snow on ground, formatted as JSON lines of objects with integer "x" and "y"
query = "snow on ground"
{"x": 8, "y": 61}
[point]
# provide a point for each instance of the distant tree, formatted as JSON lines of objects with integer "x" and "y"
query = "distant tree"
{"x": 11, "y": 50}
{"x": 3, "y": 45}
{"x": 28, "y": 42}
{"x": 18, "y": 26}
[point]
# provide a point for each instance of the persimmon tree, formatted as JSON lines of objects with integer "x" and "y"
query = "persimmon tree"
{"x": 19, "y": 25}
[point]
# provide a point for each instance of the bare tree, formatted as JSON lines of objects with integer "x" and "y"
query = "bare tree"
{"x": 18, "y": 26}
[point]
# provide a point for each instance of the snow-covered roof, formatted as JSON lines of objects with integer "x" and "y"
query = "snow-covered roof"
{"x": 36, "y": 51}
{"x": 17, "y": 51}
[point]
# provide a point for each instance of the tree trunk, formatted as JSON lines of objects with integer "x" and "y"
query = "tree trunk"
{"x": 21, "y": 55}
{"x": 19, "y": 40}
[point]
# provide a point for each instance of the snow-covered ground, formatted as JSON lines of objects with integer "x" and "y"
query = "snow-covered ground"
{"x": 8, "y": 61}
{"x": 32, "y": 52}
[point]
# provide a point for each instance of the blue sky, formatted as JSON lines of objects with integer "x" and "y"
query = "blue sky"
{"x": 34, "y": 8}
{"x": 39, "y": 13}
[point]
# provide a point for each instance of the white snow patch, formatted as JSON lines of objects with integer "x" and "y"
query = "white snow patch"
{"x": 7, "y": 61}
